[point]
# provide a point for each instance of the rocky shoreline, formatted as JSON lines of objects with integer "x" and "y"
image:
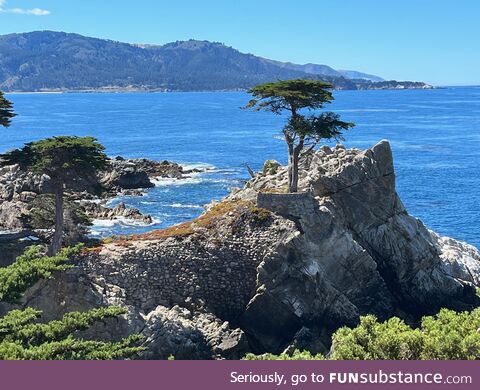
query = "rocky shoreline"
{"x": 19, "y": 192}
{"x": 267, "y": 271}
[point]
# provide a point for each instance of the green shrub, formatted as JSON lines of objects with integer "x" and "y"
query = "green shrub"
{"x": 270, "y": 167}
{"x": 447, "y": 336}
{"x": 23, "y": 337}
{"x": 452, "y": 336}
{"x": 29, "y": 268}
{"x": 371, "y": 340}
{"x": 296, "y": 355}
{"x": 260, "y": 214}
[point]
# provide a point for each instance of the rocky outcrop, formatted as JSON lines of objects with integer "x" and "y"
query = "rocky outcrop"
{"x": 98, "y": 211}
{"x": 121, "y": 174}
{"x": 126, "y": 176}
{"x": 184, "y": 334}
{"x": 14, "y": 182}
{"x": 283, "y": 270}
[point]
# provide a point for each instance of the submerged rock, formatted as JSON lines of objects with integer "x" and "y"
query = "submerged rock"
{"x": 283, "y": 269}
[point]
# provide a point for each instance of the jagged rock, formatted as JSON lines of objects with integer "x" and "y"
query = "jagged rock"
{"x": 14, "y": 181}
{"x": 121, "y": 174}
{"x": 98, "y": 211}
{"x": 125, "y": 174}
{"x": 10, "y": 213}
{"x": 178, "y": 332}
{"x": 137, "y": 173}
{"x": 343, "y": 247}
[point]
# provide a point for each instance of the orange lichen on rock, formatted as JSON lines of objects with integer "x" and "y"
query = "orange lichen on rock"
{"x": 275, "y": 190}
{"x": 207, "y": 220}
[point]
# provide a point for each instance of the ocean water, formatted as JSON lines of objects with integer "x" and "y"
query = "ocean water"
{"x": 435, "y": 136}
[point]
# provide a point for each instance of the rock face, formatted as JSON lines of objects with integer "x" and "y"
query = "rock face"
{"x": 14, "y": 182}
{"x": 284, "y": 270}
{"x": 125, "y": 174}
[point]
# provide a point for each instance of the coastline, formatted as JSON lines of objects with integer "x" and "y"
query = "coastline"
{"x": 122, "y": 91}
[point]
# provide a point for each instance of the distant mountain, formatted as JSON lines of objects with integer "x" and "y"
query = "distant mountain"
{"x": 326, "y": 70}
{"x": 47, "y": 60}
{"x": 323, "y": 70}
{"x": 354, "y": 75}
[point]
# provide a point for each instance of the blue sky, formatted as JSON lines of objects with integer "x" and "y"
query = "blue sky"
{"x": 436, "y": 41}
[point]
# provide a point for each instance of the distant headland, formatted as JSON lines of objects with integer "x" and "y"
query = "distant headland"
{"x": 48, "y": 61}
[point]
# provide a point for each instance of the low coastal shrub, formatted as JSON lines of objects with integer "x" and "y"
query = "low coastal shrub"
{"x": 296, "y": 355}
{"x": 449, "y": 335}
{"x": 30, "y": 268}
{"x": 270, "y": 167}
{"x": 24, "y": 337}
{"x": 260, "y": 214}
{"x": 21, "y": 338}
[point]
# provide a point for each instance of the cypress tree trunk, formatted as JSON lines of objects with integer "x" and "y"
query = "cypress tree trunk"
{"x": 290, "y": 167}
{"x": 58, "y": 234}
{"x": 293, "y": 167}
{"x": 293, "y": 161}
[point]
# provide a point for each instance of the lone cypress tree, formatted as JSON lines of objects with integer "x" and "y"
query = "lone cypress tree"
{"x": 301, "y": 131}
{"x": 6, "y": 111}
{"x": 67, "y": 160}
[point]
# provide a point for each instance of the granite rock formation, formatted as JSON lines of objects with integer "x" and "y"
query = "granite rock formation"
{"x": 264, "y": 270}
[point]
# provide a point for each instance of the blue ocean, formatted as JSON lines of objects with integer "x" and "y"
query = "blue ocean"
{"x": 435, "y": 135}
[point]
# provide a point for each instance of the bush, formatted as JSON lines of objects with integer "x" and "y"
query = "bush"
{"x": 23, "y": 337}
{"x": 259, "y": 214}
{"x": 447, "y": 336}
{"x": 296, "y": 355}
{"x": 271, "y": 167}
{"x": 30, "y": 268}
{"x": 371, "y": 340}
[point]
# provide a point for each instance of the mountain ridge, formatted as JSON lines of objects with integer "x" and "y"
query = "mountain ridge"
{"x": 58, "y": 61}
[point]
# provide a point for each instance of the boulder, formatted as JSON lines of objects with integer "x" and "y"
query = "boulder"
{"x": 124, "y": 174}
{"x": 185, "y": 335}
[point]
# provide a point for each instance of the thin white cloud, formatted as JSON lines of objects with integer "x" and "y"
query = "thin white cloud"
{"x": 22, "y": 11}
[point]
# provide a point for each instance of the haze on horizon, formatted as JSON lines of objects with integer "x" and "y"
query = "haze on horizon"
{"x": 432, "y": 41}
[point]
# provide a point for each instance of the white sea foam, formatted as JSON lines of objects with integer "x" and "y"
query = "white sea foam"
{"x": 147, "y": 202}
{"x": 186, "y": 206}
{"x": 190, "y": 166}
{"x": 166, "y": 181}
{"x": 96, "y": 201}
{"x": 106, "y": 223}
